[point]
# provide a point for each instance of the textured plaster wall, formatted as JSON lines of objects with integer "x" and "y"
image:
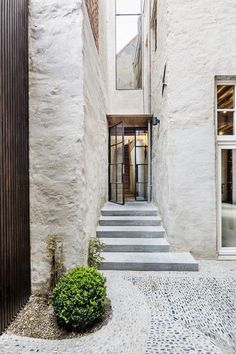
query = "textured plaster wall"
{"x": 200, "y": 44}
{"x": 65, "y": 162}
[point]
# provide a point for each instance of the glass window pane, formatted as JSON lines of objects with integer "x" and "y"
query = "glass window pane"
{"x": 225, "y": 97}
{"x": 129, "y": 52}
{"x": 228, "y": 197}
{"x": 113, "y": 154}
{"x": 141, "y": 155}
{"x": 142, "y": 173}
{"x": 128, "y": 6}
{"x": 225, "y": 123}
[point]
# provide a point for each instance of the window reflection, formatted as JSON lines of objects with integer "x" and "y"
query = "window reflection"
{"x": 128, "y": 45}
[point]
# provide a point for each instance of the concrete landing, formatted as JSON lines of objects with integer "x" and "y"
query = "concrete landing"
{"x": 149, "y": 261}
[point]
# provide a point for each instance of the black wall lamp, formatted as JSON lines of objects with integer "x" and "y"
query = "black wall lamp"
{"x": 155, "y": 121}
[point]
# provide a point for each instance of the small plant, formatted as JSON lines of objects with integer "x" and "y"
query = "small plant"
{"x": 94, "y": 254}
{"x": 79, "y": 298}
{"x": 55, "y": 251}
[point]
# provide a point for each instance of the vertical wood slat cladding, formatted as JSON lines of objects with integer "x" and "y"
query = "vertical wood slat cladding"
{"x": 15, "y": 285}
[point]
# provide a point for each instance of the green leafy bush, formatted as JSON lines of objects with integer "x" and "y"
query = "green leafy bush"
{"x": 79, "y": 298}
{"x": 94, "y": 254}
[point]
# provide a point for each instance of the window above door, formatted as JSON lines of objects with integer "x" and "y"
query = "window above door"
{"x": 225, "y": 110}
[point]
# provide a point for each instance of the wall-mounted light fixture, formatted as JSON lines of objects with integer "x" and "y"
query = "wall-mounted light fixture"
{"x": 155, "y": 121}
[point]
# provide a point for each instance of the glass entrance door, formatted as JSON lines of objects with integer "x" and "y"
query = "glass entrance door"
{"x": 227, "y": 207}
{"x": 116, "y": 163}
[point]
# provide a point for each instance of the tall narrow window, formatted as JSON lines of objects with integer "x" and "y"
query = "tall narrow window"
{"x": 128, "y": 45}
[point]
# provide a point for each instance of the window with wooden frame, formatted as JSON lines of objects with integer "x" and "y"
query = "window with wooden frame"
{"x": 225, "y": 108}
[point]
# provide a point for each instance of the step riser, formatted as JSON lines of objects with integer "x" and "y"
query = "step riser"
{"x": 129, "y": 213}
{"x": 129, "y": 223}
{"x": 132, "y": 248}
{"x": 167, "y": 267}
{"x": 130, "y": 234}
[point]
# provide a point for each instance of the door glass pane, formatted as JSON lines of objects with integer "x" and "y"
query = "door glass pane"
{"x": 120, "y": 153}
{"x": 141, "y": 155}
{"x": 141, "y": 191}
{"x": 225, "y": 97}
{"x": 142, "y": 173}
{"x": 112, "y": 173}
{"x": 142, "y": 137}
{"x": 113, "y": 192}
{"x": 119, "y": 173}
{"x": 119, "y": 130}
{"x": 120, "y": 195}
{"x": 113, "y": 154}
{"x": 113, "y": 135}
{"x": 129, "y": 52}
{"x": 225, "y": 123}
{"x": 228, "y": 197}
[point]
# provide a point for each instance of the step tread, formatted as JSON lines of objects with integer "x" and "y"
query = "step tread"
{"x": 149, "y": 258}
{"x": 136, "y": 241}
{"x": 129, "y": 217}
{"x": 130, "y": 228}
{"x": 132, "y": 206}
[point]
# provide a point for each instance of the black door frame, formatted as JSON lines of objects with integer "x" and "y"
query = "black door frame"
{"x": 135, "y": 129}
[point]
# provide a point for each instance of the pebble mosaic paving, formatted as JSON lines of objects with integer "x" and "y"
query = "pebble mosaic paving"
{"x": 190, "y": 315}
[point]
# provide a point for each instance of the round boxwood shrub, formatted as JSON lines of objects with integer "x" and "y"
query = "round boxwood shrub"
{"x": 79, "y": 298}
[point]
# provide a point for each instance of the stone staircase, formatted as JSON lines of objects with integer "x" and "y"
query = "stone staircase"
{"x": 134, "y": 239}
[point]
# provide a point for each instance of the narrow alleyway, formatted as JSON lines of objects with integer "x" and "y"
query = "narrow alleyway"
{"x": 156, "y": 312}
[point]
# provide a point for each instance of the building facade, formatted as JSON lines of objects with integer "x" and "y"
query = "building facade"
{"x": 95, "y": 64}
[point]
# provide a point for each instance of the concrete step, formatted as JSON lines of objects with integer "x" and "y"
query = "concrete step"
{"x": 135, "y": 245}
{"x": 149, "y": 261}
{"x": 129, "y": 209}
{"x": 130, "y": 231}
{"x": 130, "y": 221}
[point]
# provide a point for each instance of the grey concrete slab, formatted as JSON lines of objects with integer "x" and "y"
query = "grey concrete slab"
{"x": 135, "y": 245}
{"x": 149, "y": 261}
{"x": 130, "y": 231}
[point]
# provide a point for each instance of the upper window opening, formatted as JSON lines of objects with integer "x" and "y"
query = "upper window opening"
{"x": 128, "y": 45}
{"x": 226, "y": 109}
{"x": 125, "y": 7}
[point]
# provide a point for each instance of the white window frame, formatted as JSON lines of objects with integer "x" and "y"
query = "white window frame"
{"x": 223, "y": 142}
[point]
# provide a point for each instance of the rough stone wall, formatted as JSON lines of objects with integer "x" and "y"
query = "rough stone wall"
{"x": 201, "y": 44}
{"x": 93, "y": 12}
{"x": 62, "y": 165}
{"x": 96, "y": 133}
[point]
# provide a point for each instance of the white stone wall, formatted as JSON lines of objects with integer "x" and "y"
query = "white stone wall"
{"x": 68, "y": 184}
{"x": 200, "y": 43}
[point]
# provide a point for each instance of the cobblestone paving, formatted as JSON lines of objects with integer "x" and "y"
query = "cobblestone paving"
{"x": 163, "y": 313}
